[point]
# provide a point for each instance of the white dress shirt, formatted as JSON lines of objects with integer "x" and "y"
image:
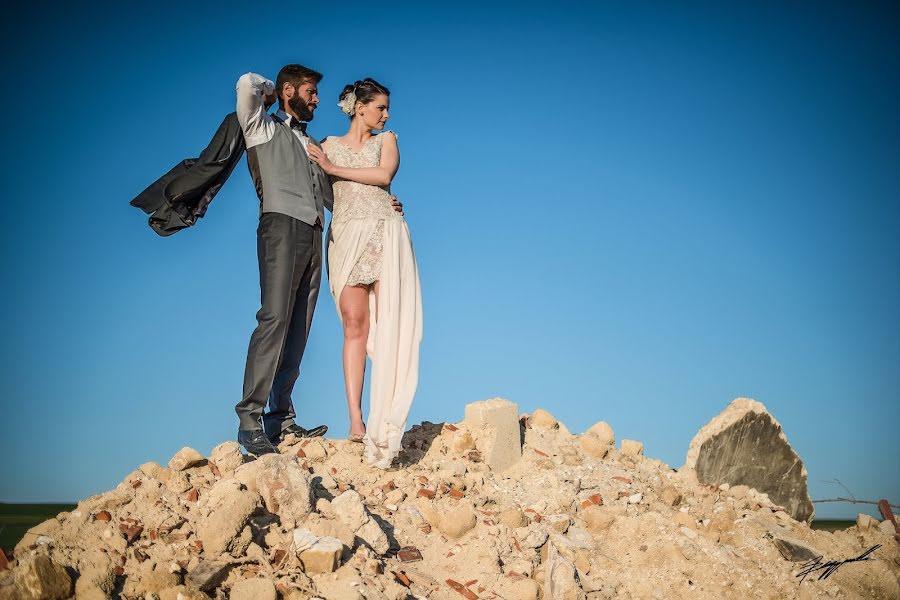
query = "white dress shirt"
{"x": 257, "y": 124}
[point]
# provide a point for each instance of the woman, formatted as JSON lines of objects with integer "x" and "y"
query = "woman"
{"x": 372, "y": 271}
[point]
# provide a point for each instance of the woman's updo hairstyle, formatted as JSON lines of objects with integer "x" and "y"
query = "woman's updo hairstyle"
{"x": 363, "y": 91}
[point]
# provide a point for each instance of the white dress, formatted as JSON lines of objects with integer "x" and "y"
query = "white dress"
{"x": 367, "y": 241}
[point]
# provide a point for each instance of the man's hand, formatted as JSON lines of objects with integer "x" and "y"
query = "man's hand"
{"x": 269, "y": 100}
{"x": 396, "y": 204}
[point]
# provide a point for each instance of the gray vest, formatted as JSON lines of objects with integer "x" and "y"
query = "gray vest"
{"x": 286, "y": 180}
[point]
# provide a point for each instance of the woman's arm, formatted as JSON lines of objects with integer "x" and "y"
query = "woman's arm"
{"x": 382, "y": 175}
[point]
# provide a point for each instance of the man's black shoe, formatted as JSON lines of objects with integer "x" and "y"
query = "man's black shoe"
{"x": 300, "y": 432}
{"x": 255, "y": 442}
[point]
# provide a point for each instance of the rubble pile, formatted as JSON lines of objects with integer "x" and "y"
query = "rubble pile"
{"x": 500, "y": 505}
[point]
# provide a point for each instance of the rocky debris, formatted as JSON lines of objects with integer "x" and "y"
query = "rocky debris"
{"x": 632, "y": 448}
{"x": 321, "y": 556}
{"x": 38, "y": 577}
{"x": 185, "y": 459}
{"x": 598, "y": 440}
{"x": 227, "y": 458}
{"x": 494, "y": 425}
{"x": 795, "y": 550}
{"x": 285, "y": 487}
{"x": 745, "y": 445}
{"x": 557, "y": 522}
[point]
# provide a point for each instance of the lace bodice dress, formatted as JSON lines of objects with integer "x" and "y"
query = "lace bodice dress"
{"x": 369, "y": 241}
{"x": 360, "y": 201}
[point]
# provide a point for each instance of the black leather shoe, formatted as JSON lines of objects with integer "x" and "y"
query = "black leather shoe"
{"x": 255, "y": 442}
{"x": 300, "y": 432}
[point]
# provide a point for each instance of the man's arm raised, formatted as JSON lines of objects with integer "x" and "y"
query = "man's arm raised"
{"x": 254, "y": 95}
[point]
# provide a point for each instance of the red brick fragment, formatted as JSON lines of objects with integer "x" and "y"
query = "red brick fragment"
{"x": 390, "y": 486}
{"x": 425, "y": 528}
{"x": 214, "y": 468}
{"x": 586, "y": 503}
{"x": 470, "y": 583}
{"x": 426, "y": 493}
{"x": 183, "y": 564}
{"x": 136, "y": 483}
{"x": 409, "y": 554}
{"x": 450, "y": 427}
{"x": 456, "y": 494}
{"x": 119, "y": 571}
{"x": 444, "y": 488}
{"x": 301, "y": 453}
{"x": 4, "y": 561}
{"x": 539, "y": 453}
{"x": 193, "y": 495}
{"x": 103, "y": 515}
{"x": 279, "y": 557}
{"x": 461, "y": 590}
{"x": 333, "y": 471}
{"x": 198, "y": 544}
{"x": 402, "y": 578}
{"x": 133, "y": 533}
{"x": 516, "y": 545}
{"x": 624, "y": 480}
{"x": 596, "y": 499}
{"x": 423, "y": 479}
{"x": 623, "y": 493}
{"x": 515, "y": 576}
{"x": 154, "y": 535}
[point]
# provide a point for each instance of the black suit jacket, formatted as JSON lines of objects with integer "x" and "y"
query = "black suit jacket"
{"x": 180, "y": 197}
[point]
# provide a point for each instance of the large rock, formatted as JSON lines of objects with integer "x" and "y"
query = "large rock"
{"x": 495, "y": 426}
{"x": 745, "y": 445}
{"x": 231, "y": 508}
{"x": 350, "y": 510}
{"x": 284, "y": 485}
{"x": 185, "y": 459}
{"x": 40, "y": 578}
{"x": 322, "y": 556}
{"x": 559, "y": 577}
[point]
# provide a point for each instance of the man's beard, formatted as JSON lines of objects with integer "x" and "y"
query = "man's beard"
{"x": 300, "y": 108}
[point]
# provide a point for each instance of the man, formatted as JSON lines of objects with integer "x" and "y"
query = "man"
{"x": 293, "y": 191}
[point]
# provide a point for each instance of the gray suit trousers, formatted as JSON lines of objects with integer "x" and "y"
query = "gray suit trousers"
{"x": 290, "y": 271}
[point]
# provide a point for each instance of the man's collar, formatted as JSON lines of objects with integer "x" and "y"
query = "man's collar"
{"x": 288, "y": 118}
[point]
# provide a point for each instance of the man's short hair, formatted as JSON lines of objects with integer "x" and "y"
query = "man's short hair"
{"x": 296, "y": 75}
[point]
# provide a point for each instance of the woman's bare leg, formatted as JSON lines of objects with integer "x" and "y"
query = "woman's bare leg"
{"x": 354, "y": 305}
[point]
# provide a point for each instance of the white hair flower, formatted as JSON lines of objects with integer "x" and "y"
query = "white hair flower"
{"x": 348, "y": 103}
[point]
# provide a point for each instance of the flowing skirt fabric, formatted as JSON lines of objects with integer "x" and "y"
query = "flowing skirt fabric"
{"x": 394, "y": 334}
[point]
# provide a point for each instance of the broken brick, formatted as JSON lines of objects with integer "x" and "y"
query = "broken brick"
{"x": 103, "y": 515}
{"x": 133, "y": 533}
{"x": 426, "y": 493}
{"x": 450, "y": 427}
{"x": 193, "y": 495}
{"x": 456, "y": 494}
{"x": 461, "y": 590}
{"x": 401, "y": 577}
{"x": 409, "y": 554}
{"x": 624, "y": 480}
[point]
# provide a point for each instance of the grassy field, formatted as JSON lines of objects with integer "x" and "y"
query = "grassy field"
{"x": 831, "y": 524}
{"x": 16, "y": 519}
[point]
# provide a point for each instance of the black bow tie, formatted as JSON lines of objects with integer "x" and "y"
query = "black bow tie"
{"x": 295, "y": 124}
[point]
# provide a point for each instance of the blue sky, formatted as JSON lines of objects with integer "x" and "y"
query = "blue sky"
{"x": 624, "y": 212}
